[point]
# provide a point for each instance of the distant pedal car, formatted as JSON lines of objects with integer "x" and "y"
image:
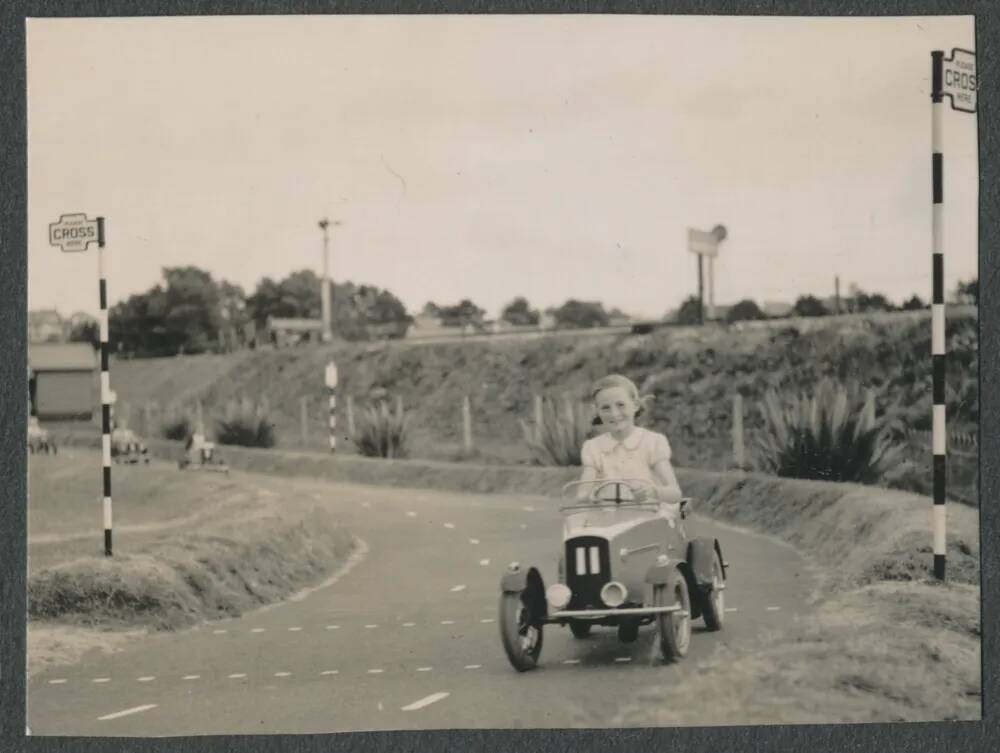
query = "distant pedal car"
{"x": 39, "y": 439}
{"x": 200, "y": 454}
{"x": 623, "y": 565}
{"x": 127, "y": 447}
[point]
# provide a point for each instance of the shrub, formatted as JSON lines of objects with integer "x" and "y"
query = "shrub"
{"x": 177, "y": 427}
{"x": 246, "y": 424}
{"x": 833, "y": 435}
{"x": 560, "y": 437}
{"x": 381, "y": 434}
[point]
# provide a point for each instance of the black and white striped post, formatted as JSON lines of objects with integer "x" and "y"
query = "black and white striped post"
{"x": 75, "y": 232}
{"x": 331, "y": 387}
{"x": 105, "y": 390}
{"x": 953, "y": 77}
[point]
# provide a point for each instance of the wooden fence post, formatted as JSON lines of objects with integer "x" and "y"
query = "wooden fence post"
{"x": 350, "y": 416}
{"x": 738, "y": 454}
{"x": 467, "y": 424}
{"x": 304, "y": 417}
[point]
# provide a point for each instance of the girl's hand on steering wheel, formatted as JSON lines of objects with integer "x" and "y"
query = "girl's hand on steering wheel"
{"x": 641, "y": 493}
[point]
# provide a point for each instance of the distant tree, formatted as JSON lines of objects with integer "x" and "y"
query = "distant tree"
{"x": 690, "y": 311}
{"x": 86, "y": 332}
{"x": 914, "y": 303}
{"x": 576, "y": 313}
{"x": 518, "y": 312}
{"x": 463, "y": 313}
{"x": 809, "y": 305}
{"x": 430, "y": 309}
{"x": 745, "y": 310}
{"x": 872, "y": 302}
{"x": 968, "y": 292}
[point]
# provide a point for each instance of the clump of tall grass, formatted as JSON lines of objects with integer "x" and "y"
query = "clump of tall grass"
{"x": 559, "y": 437}
{"x": 247, "y": 424}
{"x": 832, "y": 435}
{"x": 383, "y": 434}
{"x": 175, "y": 425}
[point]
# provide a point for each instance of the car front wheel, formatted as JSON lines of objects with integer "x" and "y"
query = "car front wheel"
{"x": 674, "y": 627}
{"x": 520, "y": 630}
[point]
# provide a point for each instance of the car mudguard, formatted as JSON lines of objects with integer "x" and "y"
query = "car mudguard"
{"x": 700, "y": 555}
{"x": 516, "y": 580}
{"x": 660, "y": 574}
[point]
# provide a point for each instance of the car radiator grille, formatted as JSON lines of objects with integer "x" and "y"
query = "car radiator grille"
{"x": 588, "y": 568}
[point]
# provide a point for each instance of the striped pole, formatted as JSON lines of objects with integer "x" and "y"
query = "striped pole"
{"x": 105, "y": 390}
{"x": 937, "y": 315}
{"x": 331, "y": 386}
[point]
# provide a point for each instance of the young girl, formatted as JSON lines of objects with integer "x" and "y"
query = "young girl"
{"x": 626, "y": 451}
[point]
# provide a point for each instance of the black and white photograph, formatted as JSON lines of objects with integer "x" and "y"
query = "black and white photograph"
{"x": 450, "y": 372}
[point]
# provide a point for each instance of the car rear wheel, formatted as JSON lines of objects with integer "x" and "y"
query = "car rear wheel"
{"x": 520, "y": 630}
{"x": 674, "y": 627}
{"x": 580, "y": 629}
{"x": 714, "y": 601}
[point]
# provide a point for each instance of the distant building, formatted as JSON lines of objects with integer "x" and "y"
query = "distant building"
{"x": 45, "y": 326}
{"x": 283, "y": 332}
{"x": 428, "y": 325}
{"x": 777, "y": 309}
{"x": 62, "y": 380}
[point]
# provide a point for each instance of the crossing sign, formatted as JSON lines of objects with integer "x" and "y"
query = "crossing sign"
{"x": 958, "y": 79}
{"x": 74, "y": 232}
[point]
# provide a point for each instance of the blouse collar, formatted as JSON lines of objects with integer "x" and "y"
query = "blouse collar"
{"x": 607, "y": 442}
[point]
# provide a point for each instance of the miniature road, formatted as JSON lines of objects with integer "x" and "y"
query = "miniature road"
{"x": 406, "y": 638}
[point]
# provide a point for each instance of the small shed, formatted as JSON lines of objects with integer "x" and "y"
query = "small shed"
{"x": 289, "y": 331}
{"x": 62, "y": 380}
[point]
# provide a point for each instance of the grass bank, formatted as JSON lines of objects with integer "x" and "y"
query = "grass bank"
{"x": 188, "y": 547}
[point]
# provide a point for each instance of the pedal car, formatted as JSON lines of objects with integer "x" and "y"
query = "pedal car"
{"x": 126, "y": 447}
{"x": 200, "y": 454}
{"x": 39, "y": 439}
{"x": 624, "y": 564}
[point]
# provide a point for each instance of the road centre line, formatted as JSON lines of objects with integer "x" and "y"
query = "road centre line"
{"x": 57, "y": 682}
{"x": 237, "y": 676}
{"x": 409, "y": 624}
{"x": 773, "y": 609}
{"x": 473, "y": 666}
{"x": 333, "y": 627}
{"x": 329, "y": 672}
{"x": 126, "y": 712}
{"x": 447, "y": 622}
{"x": 449, "y": 525}
{"x": 484, "y": 563}
{"x": 473, "y": 541}
{"x": 486, "y": 619}
{"x": 411, "y": 514}
{"x": 456, "y": 589}
{"x": 282, "y": 674}
{"x": 369, "y": 627}
{"x": 571, "y": 661}
{"x": 101, "y": 679}
{"x": 623, "y": 659}
{"x": 257, "y": 630}
{"x": 147, "y": 678}
{"x": 731, "y": 609}
{"x": 191, "y": 677}
{"x": 424, "y": 669}
{"x": 425, "y": 701}
{"x": 294, "y": 629}
{"x": 219, "y": 632}
{"x": 375, "y": 671}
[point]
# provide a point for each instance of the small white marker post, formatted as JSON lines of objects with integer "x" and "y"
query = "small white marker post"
{"x": 74, "y": 232}
{"x": 350, "y": 416}
{"x": 331, "y": 386}
{"x": 953, "y": 77}
{"x": 539, "y": 418}
{"x": 738, "y": 456}
{"x": 467, "y": 424}
{"x": 304, "y": 417}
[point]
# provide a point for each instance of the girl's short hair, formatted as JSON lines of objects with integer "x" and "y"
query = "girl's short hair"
{"x": 617, "y": 380}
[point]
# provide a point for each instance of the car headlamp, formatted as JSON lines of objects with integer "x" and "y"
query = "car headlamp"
{"x": 558, "y": 595}
{"x": 614, "y": 594}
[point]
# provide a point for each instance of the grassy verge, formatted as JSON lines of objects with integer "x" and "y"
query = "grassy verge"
{"x": 179, "y": 558}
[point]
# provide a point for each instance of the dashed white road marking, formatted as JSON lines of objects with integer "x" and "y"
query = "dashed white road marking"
{"x": 329, "y": 672}
{"x": 191, "y": 677}
{"x": 375, "y": 671}
{"x": 294, "y": 629}
{"x": 411, "y": 514}
{"x": 524, "y": 526}
{"x": 237, "y": 676}
{"x": 369, "y": 627}
{"x": 773, "y": 609}
{"x": 571, "y": 661}
{"x": 126, "y": 712}
{"x": 623, "y": 659}
{"x": 282, "y": 674}
{"x": 473, "y": 541}
{"x": 484, "y": 563}
{"x": 219, "y": 632}
{"x": 424, "y": 669}
{"x": 257, "y": 630}
{"x": 456, "y": 589}
{"x": 449, "y": 525}
{"x": 425, "y": 701}
{"x": 409, "y": 624}
{"x": 333, "y": 627}
{"x": 447, "y": 622}
{"x": 101, "y": 679}
{"x": 147, "y": 678}
{"x": 731, "y": 609}
{"x": 57, "y": 682}
{"x": 528, "y": 508}
{"x": 486, "y": 619}
{"x": 473, "y": 666}
{"x": 366, "y": 504}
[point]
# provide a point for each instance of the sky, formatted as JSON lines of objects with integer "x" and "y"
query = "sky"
{"x": 489, "y": 157}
